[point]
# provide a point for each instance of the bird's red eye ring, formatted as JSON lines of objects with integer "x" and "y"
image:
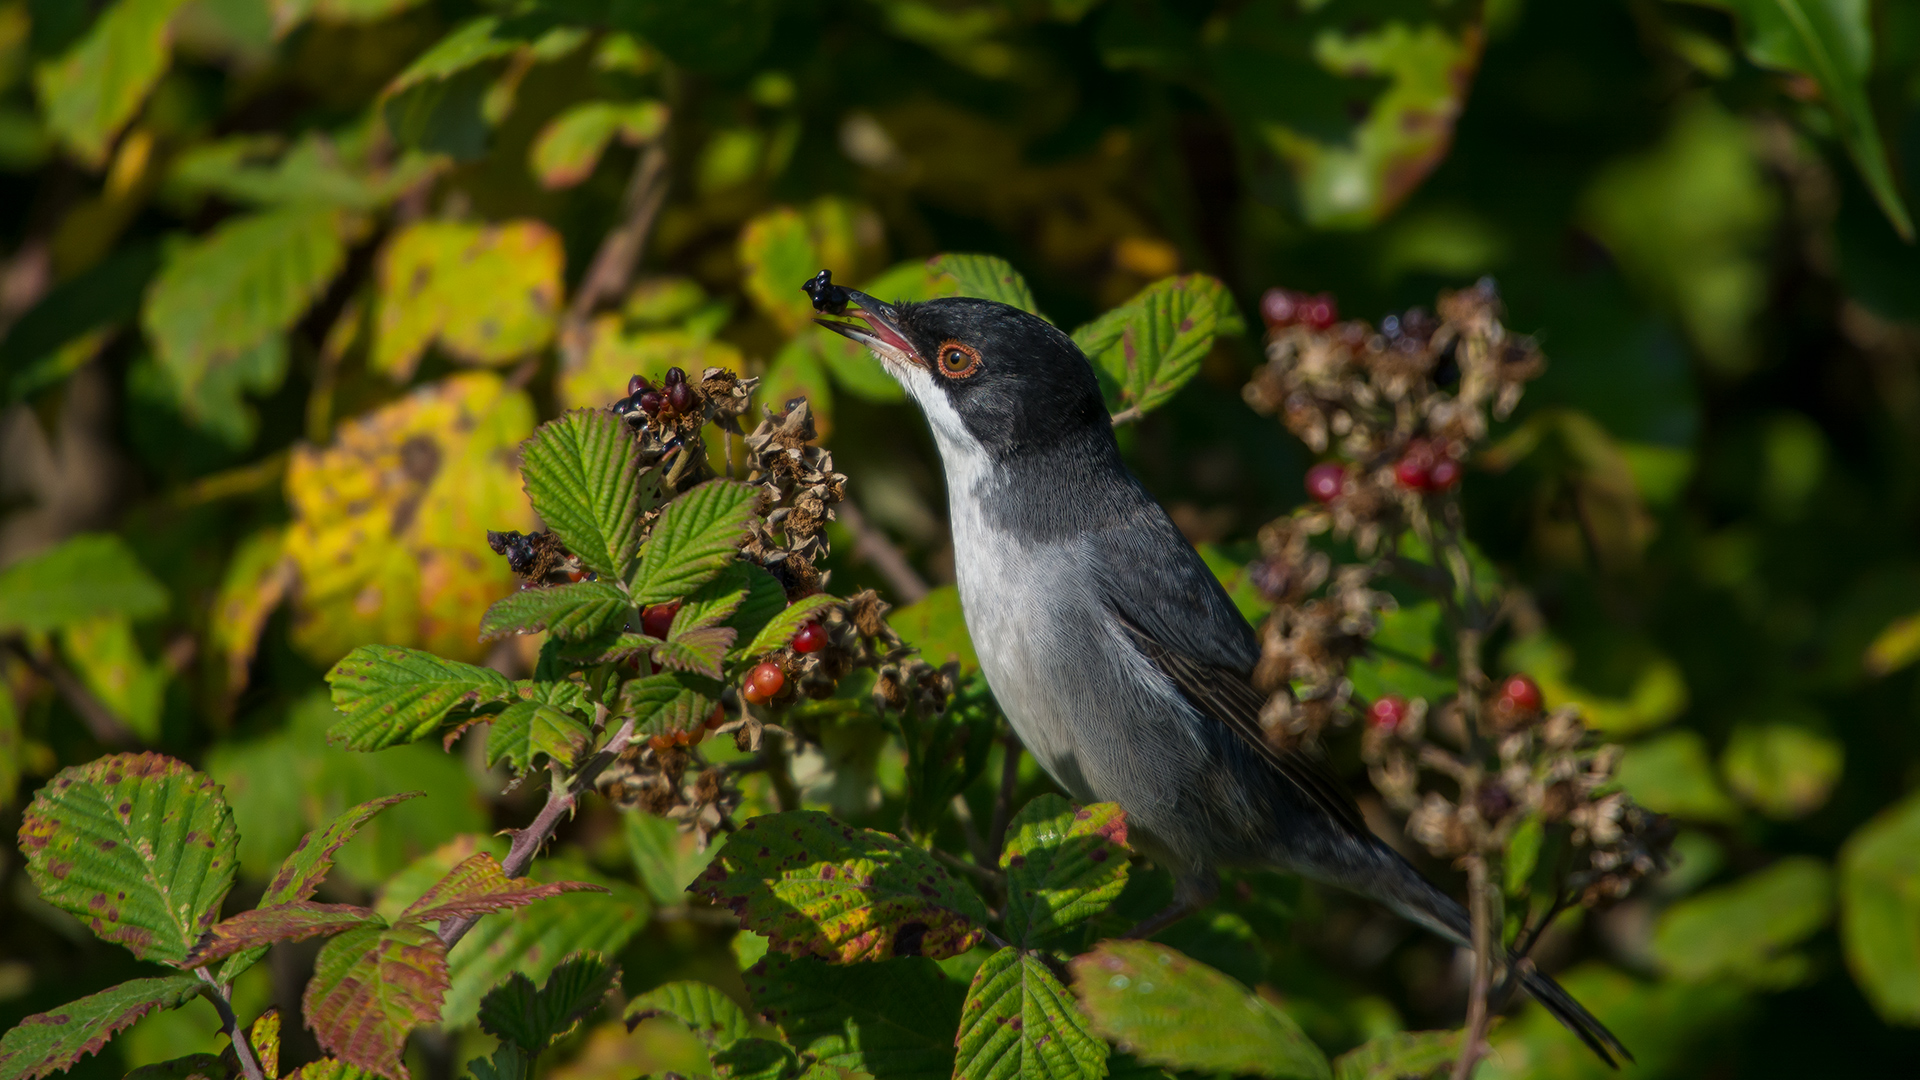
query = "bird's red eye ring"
{"x": 958, "y": 361}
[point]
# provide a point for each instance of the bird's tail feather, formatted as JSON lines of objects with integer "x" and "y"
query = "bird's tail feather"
{"x": 1571, "y": 1013}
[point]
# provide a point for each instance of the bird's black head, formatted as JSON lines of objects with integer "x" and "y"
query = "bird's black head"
{"x": 1014, "y": 382}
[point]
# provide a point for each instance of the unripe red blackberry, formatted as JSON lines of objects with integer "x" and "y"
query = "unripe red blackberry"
{"x": 811, "y": 637}
{"x": 1388, "y": 712}
{"x": 1519, "y": 694}
{"x": 1325, "y": 480}
{"x": 1444, "y": 476}
{"x": 1280, "y": 307}
{"x": 658, "y": 619}
{"x": 1319, "y": 311}
{"x": 1415, "y": 466}
{"x": 763, "y": 682}
{"x": 680, "y": 396}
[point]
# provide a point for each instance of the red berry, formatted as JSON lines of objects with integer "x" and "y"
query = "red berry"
{"x": 675, "y": 377}
{"x": 636, "y": 384}
{"x": 718, "y": 719}
{"x": 763, "y": 682}
{"x": 1325, "y": 480}
{"x": 651, "y": 402}
{"x": 576, "y": 575}
{"x": 658, "y": 619}
{"x": 1415, "y": 467}
{"x": 1280, "y": 307}
{"x": 1444, "y": 475}
{"x": 1519, "y": 694}
{"x": 660, "y": 743}
{"x": 680, "y": 396}
{"x": 1319, "y": 311}
{"x": 811, "y": 637}
{"x": 1388, "y": 713}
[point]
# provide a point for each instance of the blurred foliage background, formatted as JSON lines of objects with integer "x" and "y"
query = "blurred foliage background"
{"x": 286, "y": 281}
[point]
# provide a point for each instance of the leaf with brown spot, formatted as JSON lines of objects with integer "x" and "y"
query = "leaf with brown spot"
{"x": 1065, "y": 864}
{"x": 1019, "y": 1023}
{"x": 584, "y": 609}
{"x": 263, "y": 926}
{"x": 139, "y": 846}
{"x": 391, "y": 695}
{"x": 370, "y": 988}
{"x": 1146, "y": 349}
{"x": 486, "y": 294}
{"x": 478, "y": 886}
{"x": 265, "y": 1037}
{"x": 816, "y": 887}
{"x": 52, "y": 1041}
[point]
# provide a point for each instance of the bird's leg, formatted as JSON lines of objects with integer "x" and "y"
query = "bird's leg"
{"x": 1191, "y": 893}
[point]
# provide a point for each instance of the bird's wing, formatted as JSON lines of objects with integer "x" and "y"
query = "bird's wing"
{"x": 1183, "y": 622}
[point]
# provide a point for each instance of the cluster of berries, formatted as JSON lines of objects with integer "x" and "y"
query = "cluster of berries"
{"x": 1517, "y": 700}
{"x": 1426, "y": 465}
{"x": 1280, "y": 308}
{"x": 643, "y": 401}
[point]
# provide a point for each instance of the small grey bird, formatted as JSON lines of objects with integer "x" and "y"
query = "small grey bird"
{"x": 1118, "y": 658}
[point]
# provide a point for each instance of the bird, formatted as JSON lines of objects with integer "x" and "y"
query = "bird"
{"x": 1113, "y": 651}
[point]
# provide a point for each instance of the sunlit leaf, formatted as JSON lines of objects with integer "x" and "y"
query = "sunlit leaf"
{"x": 486, "y": 294}
{"x": 698, "y": 651}
{"x": 614, "y": 354}
{"x": 370, "y": 988}
{"x": 109, "y": 660}
{"x": 265, "y": 1037}
{"x": 1784, "y": 770}
{"x": 665, "y": 859}
{"x": 138, "y": 846}
{"x": 1018, "y": 1021}
{"x": 584, "y": 609}
{"x": 262, "y": 926}
{"x": 392, "y": 695}
{"x": 813, "y": 886}
{"x": 694, "y": 540}
{"x": 1399, "y": 1055}
{"x": 515, "y": 1012}
{"x": 53, "y": 1041}
{"x": 1064, "y": 865}
{"x": 1880, "y": 910}
{"x": 545, "y": 722}
{"x": 988, "y": 277}
{"x": 1741, "y": 929}
{"x": 90, "y": 93}
{"x": 1656, "y": 695}
{"x": 710, "y": 1014}
{"x": 1149, "y": 347}
{"x": 479, "y": 886}
{"x": 1144, "y": 997}
{"x": 779, "y": 630}
{"x": 668, "y": 703}
{"x": 568, "y": 148}
{"x": 778, "y": 251}
{"x": 581, "y": 473}
{"x": 1672, "y": 774}
{"x": 85, "y": 577}
{"x": 894, "y": 1019}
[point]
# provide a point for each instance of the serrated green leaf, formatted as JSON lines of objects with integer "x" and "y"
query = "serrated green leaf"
{"x": 717, "y": 601}
{"x": 894, "y": 1019}
{"x": 516, "y": 1013}
{"x": 581, "y": 473}
{"x": 85, "y": 577}
{"x": 187, "y": 1067}
{"x": 54, "y": 1040}
{"x": 478, "y": 885}
{"x": 707, "y": 1011}
{"x": 665, "y": 859}
{"x": 755, "y": 1059}
{"x": 988, "y": 277}
{"x": 391, "y": 695}
{"x": 1737, "y": 930}
{"x": 697, "y": 651}
{"x": 668, "y": 703}
{"x": 1880, "y": 910}
{"x": 370, "y": 988}
{"x": 1401, "y": 1055}
{"x": 295, "y": 921}
{"x": 138, "y": 846}
{"x": 1064, "y": 864}
{"x": 583, "y": 609}
{"x": 1149, "y": 347}
{"x": 90, "y": 93}
{"x": 694, "y": 539}
{"x": 567, "y": 149}
{"x": 1145, "y": 996}
{"x": 779, "y": 630}
{"x": 816, "y": 887}
{"x": 527, "y": 729}
{"x": 1019, "y": 1022}
{"x": 508, "y": 1062}
{"x": 225, "y": 295}
{"x": 303, "y": 870}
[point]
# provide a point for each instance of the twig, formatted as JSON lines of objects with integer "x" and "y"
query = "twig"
{"x": 561, "y": 799}
{"x": 619, "y": 252}
{"x": 994, "y": 878}
{"x": 229, "y": 1023}
{"x": 1003, "y": 799}
{"x": 786, "y": 794}
{"x": 1478, "y": 1015}
{"x": 101, "y": 722}
{"x": 872, "y": 545}
{"x": 1127, "y": 415}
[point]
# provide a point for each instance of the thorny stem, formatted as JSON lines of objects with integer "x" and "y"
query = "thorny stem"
{"x": 1003, "y": 800}
{"x": 230, "y": 1024}
{"x": 872, "y": 545}
{"x": 561, "y": 799}
{"x": 1480, "y": 889}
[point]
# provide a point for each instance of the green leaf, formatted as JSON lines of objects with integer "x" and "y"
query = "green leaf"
{"x": 698, "y": 651}
{"x": 328, "y": 1069}
{"x": 1831, "y": 42}
{"x": 517, "y": 1013}
{"x": 1672, "y": 774}
{"x": 54, "y": 1040}
{"x": 717, "y": 601}
{"x": 1064, "y": 864}
{"x": 1740, "y": 930}
{"x": 90, "y": 93}
{"x": 1880, "y": 910}
{"x": 777, "y": 253}
{"x": 1019, "y": 1022}
{"x": 1783, "y": 770}
{"x": 936, "y": 624}
{"x": 295, "y": 921}
{"x": 894, "y": 1019}
{"x": 317, "y": 170}
{"x": 668, "y": 703}
{"x": 508, "y": 1062}
{"x": 780, "y": 629}
{"x": 765, "y": 599}
{"x": 303, "y": 870}
{"x": 708, "y": 1012}
{"x": 1148, "y": 347}
{"x": 987, "y": 277}
{"x": 581, "y": 473}
{"x": 88, "y": 576}
{"x": 1145, "y": 997}
{"x": 188, "y": 1067}
{"x": 755, "y": 1059}
{"x": 583, "y": 609}
{"x": 480, "y": 886}
{"x": 695, "y": 538}
{"x": 816, "y": 887}
{"x": 137, "y": 845}
{"x": 665, "y": 859}
{"x": 1401, "y": 1054}
{"x": 392, "y": 695}
{"x": 370, "y": 988}
{"x": 568, "y": 148}
{"x": 544, "y": 723}
{"x": 223, "y": 296}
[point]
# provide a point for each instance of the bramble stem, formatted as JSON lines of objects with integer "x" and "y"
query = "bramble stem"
{"x": 1003, "y": 800}
{"x": 1479, "y": 1016}
{"x": 873, "y": 545}
{"x": 229, "y": 1023}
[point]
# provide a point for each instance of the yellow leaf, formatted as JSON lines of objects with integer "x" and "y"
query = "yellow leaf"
{"x": 488, "y": 294}
{"x": 389, "y": 536}
{"x": 616, "y": 355}
{"x": 109, "y": 660}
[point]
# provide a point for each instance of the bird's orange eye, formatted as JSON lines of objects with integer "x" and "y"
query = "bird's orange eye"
{"x": 958, "y": 361}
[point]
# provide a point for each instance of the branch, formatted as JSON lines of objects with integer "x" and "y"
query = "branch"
{"x": 1127, "y": 415}
{"x": 230, "y": 1024}
{"x": 1003, "y": 800}
{"x": 618, "y": 254}
{"x": 1478, "y": 1015}
{"x": 872, "y": 545}
{"x": 102, "y": 724}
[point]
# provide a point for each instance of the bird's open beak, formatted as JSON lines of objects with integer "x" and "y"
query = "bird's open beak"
{"x": 881, "y": 334}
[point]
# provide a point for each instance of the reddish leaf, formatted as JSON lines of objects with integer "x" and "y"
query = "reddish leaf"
{"x": 297, "y": 921}
{"x": 478, "y": 886}
{"x": 304, "y": 870}
{"x": 370, "y": 988}
{"x": 53, "y": 1040}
